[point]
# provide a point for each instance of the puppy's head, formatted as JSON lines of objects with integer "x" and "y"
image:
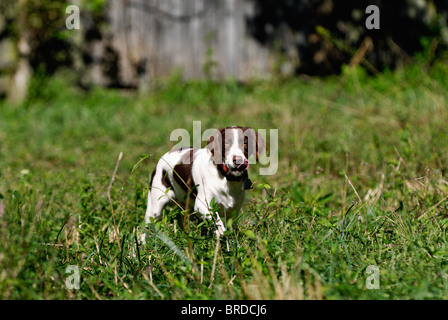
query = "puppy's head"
{"x": 233, "y": 146}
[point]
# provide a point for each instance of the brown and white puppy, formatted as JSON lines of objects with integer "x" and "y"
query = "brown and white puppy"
{"x": 218, "y": 171}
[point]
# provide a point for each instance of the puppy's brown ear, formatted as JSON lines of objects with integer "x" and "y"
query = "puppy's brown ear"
{"x": 214, "y": 144}
{"x": 256, "y": 143}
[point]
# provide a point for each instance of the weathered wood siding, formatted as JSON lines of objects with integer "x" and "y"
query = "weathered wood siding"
{"x": 153, "y": 38}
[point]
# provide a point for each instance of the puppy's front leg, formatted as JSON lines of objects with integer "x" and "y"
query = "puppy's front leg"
{"x": 206, "y": 213}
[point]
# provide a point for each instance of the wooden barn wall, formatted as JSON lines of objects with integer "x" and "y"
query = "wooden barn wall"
{"x": 154, "y": 38}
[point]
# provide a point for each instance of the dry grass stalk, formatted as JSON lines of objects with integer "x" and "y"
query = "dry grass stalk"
{"x": 117, "y": 232}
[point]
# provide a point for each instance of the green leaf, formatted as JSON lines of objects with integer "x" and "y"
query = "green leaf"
{"x": 250, "y": 234}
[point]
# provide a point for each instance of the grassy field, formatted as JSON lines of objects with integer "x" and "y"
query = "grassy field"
{"x": 361, "y": 181}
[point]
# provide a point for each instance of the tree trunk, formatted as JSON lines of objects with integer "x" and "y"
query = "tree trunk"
{"x": 19, "y": 82}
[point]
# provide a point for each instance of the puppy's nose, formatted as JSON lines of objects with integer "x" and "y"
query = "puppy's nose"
{"x": 238, "y": 160}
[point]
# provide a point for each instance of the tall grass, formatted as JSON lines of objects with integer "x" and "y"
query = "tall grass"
{"x": 361, "y": 181}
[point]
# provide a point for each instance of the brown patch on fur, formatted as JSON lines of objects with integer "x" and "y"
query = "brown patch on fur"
{"x": 254, "y": 143}
{"x": 216, "y": 146}
{"x": 165, "y": 180}
{"x": 182, "y": 172}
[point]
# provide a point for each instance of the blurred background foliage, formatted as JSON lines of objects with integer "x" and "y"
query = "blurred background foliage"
{"x": 313, "y": 37}
{"x": 322, "y": 35}
{"x": 34, "y": 39}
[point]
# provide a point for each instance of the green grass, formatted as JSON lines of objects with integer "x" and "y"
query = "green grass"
{"x": 361, "y": 181}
